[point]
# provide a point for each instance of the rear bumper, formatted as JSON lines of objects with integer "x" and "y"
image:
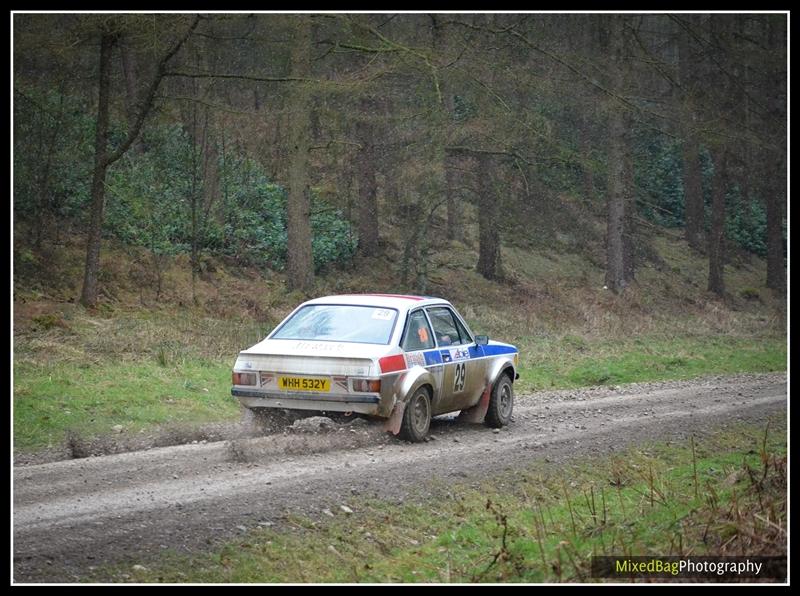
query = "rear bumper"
{"x": 363, "y": 404}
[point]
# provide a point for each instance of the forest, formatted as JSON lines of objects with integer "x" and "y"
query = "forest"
{"x": 606, "y": 192}
{"x": 302, "y": 143}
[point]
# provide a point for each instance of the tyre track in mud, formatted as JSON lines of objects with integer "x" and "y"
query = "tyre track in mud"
{"x": 129, "y": 507}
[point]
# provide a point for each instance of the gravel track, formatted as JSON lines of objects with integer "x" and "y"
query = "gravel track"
{"x": 128, "y": 507}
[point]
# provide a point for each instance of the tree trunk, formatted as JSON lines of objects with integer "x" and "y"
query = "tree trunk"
{"x": 716, "y": 237}
{"x": 300, "y": 258}
{"x": 776, "y": 269}
{"x": 776, "y": 171}
{"x": 210, "y": 167}
{"x": 89, "y": 291}
{"x": 131, "y": 91}
{"x": 693, "y": 191}
{"x": 443, "y": 131}
{"x": 410, "y": 215}
{"x": 103, "y": 159}
{"x": 617, "y": 247}
{"x": 615, "y": 217}
{"x": 587, "y": 167}
{"x": 193, "y": 200}
{"x": 367, "y": 189}
{"x": 629, "y": 222}
{"x": 692, "y": 174}
{"x": 489, "y": 259}
{"x": 45, "y": 205}
{"x": 455, "y": 216}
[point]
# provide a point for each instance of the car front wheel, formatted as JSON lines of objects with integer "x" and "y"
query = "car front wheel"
{"x": 501, "y": 403}
{"x": 416, "y": 417}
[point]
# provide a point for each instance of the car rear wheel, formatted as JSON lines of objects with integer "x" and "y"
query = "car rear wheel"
{"x": 416, "y": 417}
{"x": 501, "y": 403}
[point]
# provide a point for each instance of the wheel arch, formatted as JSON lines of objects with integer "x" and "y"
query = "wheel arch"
{"x": 502, "y": 366}
{"x": 414, "y": 379}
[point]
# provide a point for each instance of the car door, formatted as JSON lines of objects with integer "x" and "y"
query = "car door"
{"x": 475, "y": 366}
{"x": 420, "y": 348}
{"x": 460, "y": 379}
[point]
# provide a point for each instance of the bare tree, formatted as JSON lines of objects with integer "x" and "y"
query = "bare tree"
{"x": 716, "y": 236}
{"x": 300, "y": 261}
{"x": 692, "y": 175}
{"x": 103, "y": 159}
{"x": 776, "y": 163}
{"x": 368, "y": 233}
{"x": 619, "y": 253}
{"x": 489, "y": 258}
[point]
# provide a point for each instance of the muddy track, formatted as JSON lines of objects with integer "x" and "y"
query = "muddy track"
{"x": 129, "y": 507}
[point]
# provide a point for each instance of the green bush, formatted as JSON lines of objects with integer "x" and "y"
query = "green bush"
{"x": 53, "y": 153}
{"x": 150, "y": 205}
{"x": 750, "y": 294}
{"x": 659, "y": 182}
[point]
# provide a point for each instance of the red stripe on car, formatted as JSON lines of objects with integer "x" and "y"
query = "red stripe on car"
{"x": 403, "y": 296}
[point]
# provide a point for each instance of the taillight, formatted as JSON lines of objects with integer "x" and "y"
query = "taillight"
{"x": 367, "y": 385}
{"x": 392, "y": 363}
{"x": 240, "y": 378}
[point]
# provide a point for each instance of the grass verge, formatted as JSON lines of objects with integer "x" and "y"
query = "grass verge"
{"x": 88, "y": 397}
{"x": 573, "y": 361}
{"x": 723, "y": 494}
{"x": 53, "y": 401}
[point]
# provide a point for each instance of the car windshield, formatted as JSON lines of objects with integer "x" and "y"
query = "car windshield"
{"x": 340, "y": 322}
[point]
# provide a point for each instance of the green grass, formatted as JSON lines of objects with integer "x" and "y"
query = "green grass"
{"x": 174, "y": 385}
{"x": 707, "y": 496}
{"x": 51, "y": 400}
{"x": 573, "y": 361}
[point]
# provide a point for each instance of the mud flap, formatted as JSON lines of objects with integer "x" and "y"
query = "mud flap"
{"x": 477, "y": 412}
{"x": 393, "y": 423}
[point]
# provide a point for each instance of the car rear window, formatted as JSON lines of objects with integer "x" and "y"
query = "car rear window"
{"x": 339, "y": 322}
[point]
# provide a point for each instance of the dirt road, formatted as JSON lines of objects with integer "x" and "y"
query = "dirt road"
{"x": 76, "y": 514}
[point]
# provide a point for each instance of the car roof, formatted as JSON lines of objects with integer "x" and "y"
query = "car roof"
{"x": 402, "y": 302}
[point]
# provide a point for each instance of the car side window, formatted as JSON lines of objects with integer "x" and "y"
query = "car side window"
{"x": 418, "y": 335}
{"x": 465, "y": 336}
{"x": 444, "y": 326}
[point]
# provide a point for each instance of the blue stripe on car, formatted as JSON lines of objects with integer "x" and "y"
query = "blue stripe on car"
{"x": 432, "y": 357}
{"x": 443, "y": 356}
{"x": 490, "y": 350}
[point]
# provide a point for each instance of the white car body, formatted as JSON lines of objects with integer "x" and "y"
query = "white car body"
{"x": 341, "y": 376}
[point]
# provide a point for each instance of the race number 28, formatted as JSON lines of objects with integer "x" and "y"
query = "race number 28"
{"x": 461, "y": 375}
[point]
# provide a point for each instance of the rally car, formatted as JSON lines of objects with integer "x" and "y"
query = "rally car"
{"x": 400, "y": 358}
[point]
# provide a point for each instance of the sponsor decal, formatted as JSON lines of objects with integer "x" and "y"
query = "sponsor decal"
{"x": 382, "y": 314}
{"x": 415, "y": 359}
{"x": 318, "y": 346}
{"x": 459, "y": 353}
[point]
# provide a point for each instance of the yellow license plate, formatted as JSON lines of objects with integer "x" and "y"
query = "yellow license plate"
{"x": 304, "y": 384}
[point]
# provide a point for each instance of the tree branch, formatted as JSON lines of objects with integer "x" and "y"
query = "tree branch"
{"x": 150, "y": 95}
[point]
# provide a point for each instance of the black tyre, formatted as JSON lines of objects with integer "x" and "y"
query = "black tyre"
{"x": 417, "y": 417}
{"x": 501, "y": 403}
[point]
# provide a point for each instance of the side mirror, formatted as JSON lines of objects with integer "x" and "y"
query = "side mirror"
{"x": 481, "y": 340}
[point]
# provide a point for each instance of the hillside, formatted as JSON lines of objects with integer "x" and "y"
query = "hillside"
{"x": 136, "y": 362}
{"x": 547, "y": 292}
